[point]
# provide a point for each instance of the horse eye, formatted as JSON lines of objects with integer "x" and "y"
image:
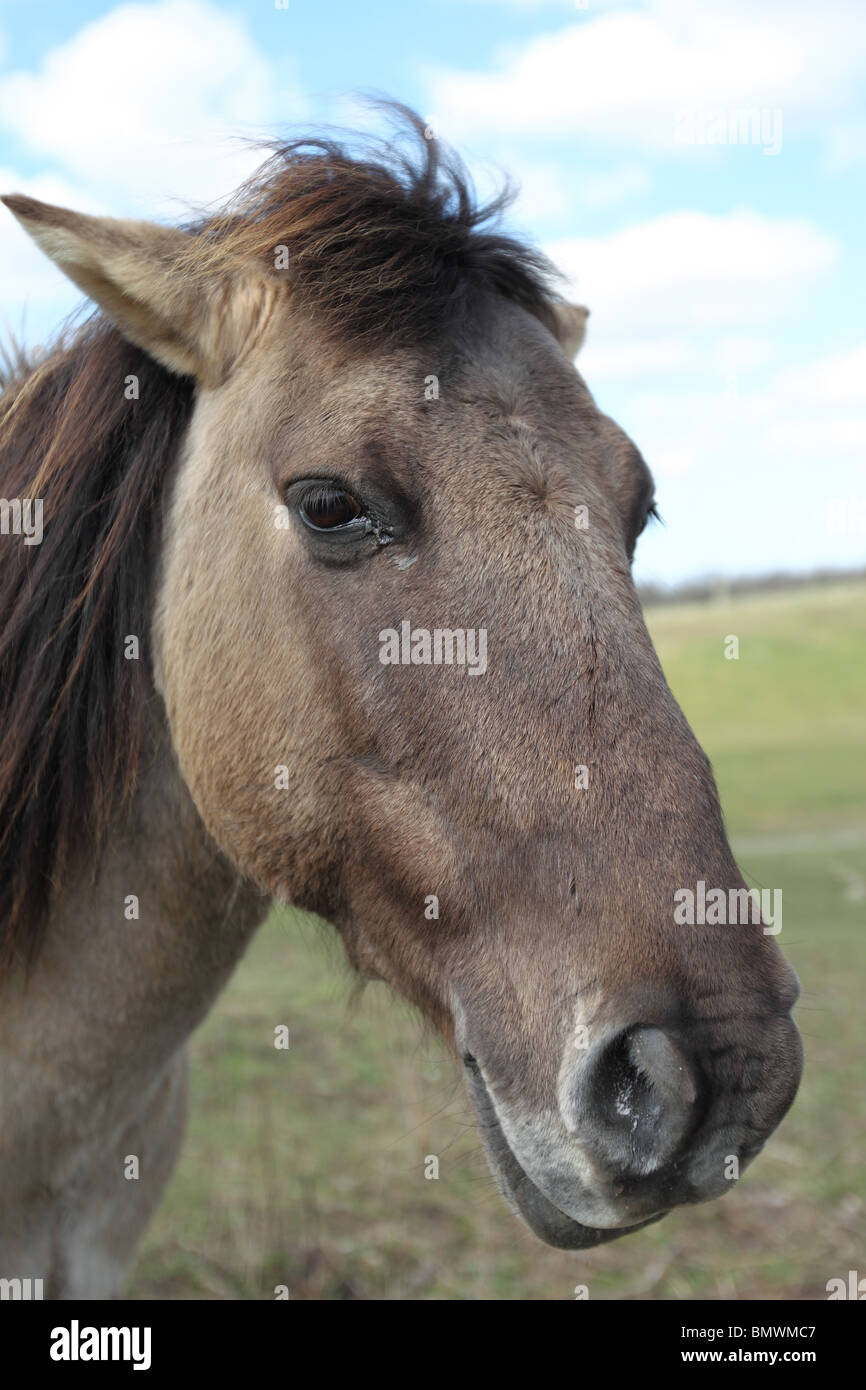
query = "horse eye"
{"x": 329, "y": 508}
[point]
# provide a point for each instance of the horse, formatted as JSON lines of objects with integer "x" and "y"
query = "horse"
{"x": 339, "y": 408}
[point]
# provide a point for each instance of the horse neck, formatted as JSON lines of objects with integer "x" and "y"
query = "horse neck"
{"x": 144, "y": 981}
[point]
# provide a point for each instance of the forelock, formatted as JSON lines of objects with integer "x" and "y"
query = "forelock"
{"x": 383, "y": 243}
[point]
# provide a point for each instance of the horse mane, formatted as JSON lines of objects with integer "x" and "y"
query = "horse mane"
{"x": 70, "y": 704}
{"x": 379, "y": 247}
{"x": 384, "y": 243}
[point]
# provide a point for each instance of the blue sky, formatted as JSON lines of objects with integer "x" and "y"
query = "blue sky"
{"x": 696, "y": 169}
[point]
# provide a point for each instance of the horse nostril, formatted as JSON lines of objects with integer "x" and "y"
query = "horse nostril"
{"x": 655, "y": 1054}
{"x": 635, "y": 1099}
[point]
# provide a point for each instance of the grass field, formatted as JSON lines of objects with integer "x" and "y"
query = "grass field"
{"x": 306, "y": 1167}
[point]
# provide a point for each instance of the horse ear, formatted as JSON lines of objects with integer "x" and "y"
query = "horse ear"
{"x": 570, "y": 326}
{"x": 134, "y": 272}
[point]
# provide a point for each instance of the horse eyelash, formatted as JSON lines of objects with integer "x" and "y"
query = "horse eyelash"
{"x": 325, "y": 494}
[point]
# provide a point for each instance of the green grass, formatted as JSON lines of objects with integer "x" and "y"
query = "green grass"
{"x": 306, "y": 1167}
{"x": 784, "y": 722}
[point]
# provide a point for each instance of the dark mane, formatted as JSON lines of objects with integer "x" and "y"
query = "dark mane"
{"x": 386, "y": 242}
{"x": 378, "y": 248}
{"x": 70, "y": 704}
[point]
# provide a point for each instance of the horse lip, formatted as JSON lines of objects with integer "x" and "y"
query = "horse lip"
{"x": 548, "y": 1221}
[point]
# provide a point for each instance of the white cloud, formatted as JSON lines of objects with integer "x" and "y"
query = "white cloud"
{"x": 836, "y": 380}
{"x": 148, "y": 102}
{"x": 818, "y": 409}
{"x": 747, "y": 483}
{"x": 692, "y": 269}
{"x": 622, "y": 76}
{"x": 740, "y": 454}
{"x": 742, "y": 353}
